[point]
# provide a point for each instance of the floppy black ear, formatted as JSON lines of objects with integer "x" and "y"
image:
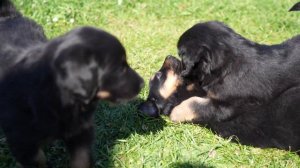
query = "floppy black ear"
{"x": 76, "y": 73}
{"x": 296, "y": 7}
{"x": 197, "y": 61}
{"x": 206, "y": 60}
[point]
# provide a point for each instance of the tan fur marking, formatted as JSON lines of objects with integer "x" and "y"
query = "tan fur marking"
{"x": 18, "y": 164}
{"x": 80, "y": 159}
{"x": 185, "y": 111}
{"x": 41, "y": 159}
{"x": 170, "y": 85}
{"x": 103, "y": 94}
{"x": 212, "y": 95}
{"x": 190, "y": 87}
{"x": 152, "y": 77}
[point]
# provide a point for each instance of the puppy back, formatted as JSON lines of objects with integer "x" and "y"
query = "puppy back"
{"x": 296, "y": 7}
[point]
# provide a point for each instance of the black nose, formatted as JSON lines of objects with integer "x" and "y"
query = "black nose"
{"x": 148, "y": 108}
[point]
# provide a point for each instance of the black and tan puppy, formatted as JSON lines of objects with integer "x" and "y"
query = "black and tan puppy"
{"x": 49, "y": 89}
{"x": 251, "y": 91}
{"x": 167, "y": 89}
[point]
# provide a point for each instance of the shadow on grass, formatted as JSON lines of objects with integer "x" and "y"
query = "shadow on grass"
{"x": 189, "y": 165}
{"x": 116, "y": 123}
{"x": 5, "y": 156}
{"x": 112, "y": 123}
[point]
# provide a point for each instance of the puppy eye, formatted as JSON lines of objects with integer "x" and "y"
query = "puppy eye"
{"x": 158, "y": 75}
{"x": 181, "y": 53}
{"x": 153, "y": 99}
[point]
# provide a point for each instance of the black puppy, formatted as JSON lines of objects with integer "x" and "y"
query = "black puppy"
{"x": 49, "y": 89}
{"x": 251, "y": 90}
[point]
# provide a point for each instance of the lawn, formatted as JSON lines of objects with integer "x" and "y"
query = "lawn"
{"x": 149, "y": 30}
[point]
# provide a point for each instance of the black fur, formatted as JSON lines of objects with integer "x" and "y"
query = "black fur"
{"x": 49, "y": 89}
{"x": 254, "y": 89}
{"x": 296, "y": 7}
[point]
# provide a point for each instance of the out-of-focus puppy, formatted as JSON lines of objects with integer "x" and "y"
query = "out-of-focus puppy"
{"x": 49, "y": 89}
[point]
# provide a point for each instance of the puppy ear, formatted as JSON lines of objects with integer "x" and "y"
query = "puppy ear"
{"x": 168, "y": 62}
{"x": 201, "y": 58}
{"x": 172, "y": 63}
{"x": 76, "y": 75}
{"x": 296, "y": 7}
{"x": 206, "y": 60}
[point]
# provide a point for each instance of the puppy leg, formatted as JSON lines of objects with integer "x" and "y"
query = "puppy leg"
{"x": 80, "y": 148}
{"x": 202, "y": 111}
{"x": 81, "y": 157}
{"x": 29, "y": 156}
{"x": 187, "y": 111}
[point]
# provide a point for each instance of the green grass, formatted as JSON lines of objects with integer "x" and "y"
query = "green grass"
{"x": 149, "y": 30}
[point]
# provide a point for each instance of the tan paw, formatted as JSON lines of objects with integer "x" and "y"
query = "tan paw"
{"x": 81, "y": 158}
{"x": 186, "y": 111}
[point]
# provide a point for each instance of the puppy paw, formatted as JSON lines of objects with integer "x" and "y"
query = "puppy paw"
{"x": 187, "y": 111}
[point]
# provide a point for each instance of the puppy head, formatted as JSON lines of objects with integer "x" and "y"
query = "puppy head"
{"x": 164, "y": 85}
{"x": 205, "y": 48}
{"x": 90, "y": 63}
{"x": 165, "y": 82}
{"x": 168, "y": 89}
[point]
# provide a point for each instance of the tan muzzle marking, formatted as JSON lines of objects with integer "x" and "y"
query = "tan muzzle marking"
{"x": 103, "y": 94}
{"x": 190, "y": 87}
{"x": 170, "y": 85}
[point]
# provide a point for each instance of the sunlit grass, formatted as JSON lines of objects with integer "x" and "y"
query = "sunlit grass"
{"x": 149, "y": 30}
